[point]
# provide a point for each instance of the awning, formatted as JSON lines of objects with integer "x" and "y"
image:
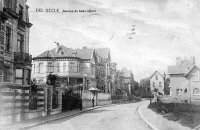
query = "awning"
{"x": 92, "y": 89}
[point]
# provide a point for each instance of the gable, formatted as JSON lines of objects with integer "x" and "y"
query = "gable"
{"x": 195, "y": 71}
{"x": 154, "y": 75}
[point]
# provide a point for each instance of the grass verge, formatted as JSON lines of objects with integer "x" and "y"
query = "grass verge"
{"x": 169, "y": 111}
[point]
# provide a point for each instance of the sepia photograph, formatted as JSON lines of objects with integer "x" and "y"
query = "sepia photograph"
{"x": 99, "y": 65}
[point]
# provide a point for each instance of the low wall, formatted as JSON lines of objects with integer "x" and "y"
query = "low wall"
{"x": 100, "y": 99}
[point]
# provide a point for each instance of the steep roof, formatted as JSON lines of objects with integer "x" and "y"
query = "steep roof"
{"x": 180, "y": 69}
{"x": 103, "y": 52}
{"x": 63, "y": 51}
{"x": 155, "y": 73}
{"x": 85, "y": 53}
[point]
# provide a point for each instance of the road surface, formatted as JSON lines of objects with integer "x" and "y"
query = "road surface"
{"x": 118, "y": 117}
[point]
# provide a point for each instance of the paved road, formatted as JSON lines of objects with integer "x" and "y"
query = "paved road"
{"x": 119, "y": 117}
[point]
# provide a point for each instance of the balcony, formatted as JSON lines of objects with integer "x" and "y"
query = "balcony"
{"x": 11, "y": 12}
{"x": 22, "y": 58}
{"x": 21, "y": 24}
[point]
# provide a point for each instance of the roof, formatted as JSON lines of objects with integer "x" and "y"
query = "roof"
{"x": 85, "y": 53}
{"x": 126, "y": 72}
{"x": 190, "y": 70}
{"x": 103, "y": 52}
{"x": 65, "y": 52}
{"x": 180, "y": 69}
{"x": 155, "y": 73}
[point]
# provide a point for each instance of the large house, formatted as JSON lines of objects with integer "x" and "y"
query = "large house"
{"x": 75, "y": 66}
{"x": 157, "y": 83}
{"x": 185, "y": 81}
{"x": 15, "y": 60}
{"x": 85, "y": 67}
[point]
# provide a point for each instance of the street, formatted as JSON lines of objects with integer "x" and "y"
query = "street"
{"x": 118, "y": 117}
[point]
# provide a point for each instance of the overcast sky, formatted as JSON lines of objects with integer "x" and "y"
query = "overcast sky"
{"x": 164, "y": 30}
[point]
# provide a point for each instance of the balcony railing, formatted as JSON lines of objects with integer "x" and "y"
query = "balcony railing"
{"x": 22, "y": 57}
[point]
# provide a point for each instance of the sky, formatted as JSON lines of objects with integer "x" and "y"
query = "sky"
{"x": 143, "y": 35}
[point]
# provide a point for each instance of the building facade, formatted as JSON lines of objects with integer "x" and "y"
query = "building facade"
{"x": 184, "y": 81}
{"x": 104, "y": 53}
{"x": 157, "y": 83}
{"x": 15, "y": 60}
{"x": 75, "y": 66}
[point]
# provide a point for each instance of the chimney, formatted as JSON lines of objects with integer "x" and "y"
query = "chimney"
{"x": 57, "y": 46}
{"x": 193, "y": 60}
{"x": 178, "y": 60}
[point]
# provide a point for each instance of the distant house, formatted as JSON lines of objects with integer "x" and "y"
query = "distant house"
{"x": 145, "y": 87}
{"x": 157, "y": 83}
{"x": 185, "y": 81}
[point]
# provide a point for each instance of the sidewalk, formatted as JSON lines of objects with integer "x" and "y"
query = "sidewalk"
{"x": 157, "y": 122}
{"x": 39, "y": 121}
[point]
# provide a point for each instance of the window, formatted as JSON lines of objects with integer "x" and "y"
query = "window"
{"x": 178, "y": 91}
{"x": 64, "y": 67}
{"x": 50, "y": 67}
{"x": 40, "y": 68}
{"x": 8, "y": 39}
{"x": 19, "y": 76}
{"x": 21, "y": 10}
{"x": 160, "y": 84}
{"x": 196, "y": 91}
{"x": 58, "y": 67}
{"x": 11, "y": 4}
{"x": 154, "y": 84}
{"x": 20, "y": 43}
{"x": 73, "y": 67}
{"x": 28, "y": 77}
{"x": 7, "y": 74}
{"x": 156, "y": 77}
{"x": 196, "y": 77}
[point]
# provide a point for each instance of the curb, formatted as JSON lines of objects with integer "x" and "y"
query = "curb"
{"x": 146, "y": 121}
{"x": 62, "y": 117}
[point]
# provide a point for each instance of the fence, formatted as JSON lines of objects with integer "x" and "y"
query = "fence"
{"x": 21, "y": 102}
{"x": 14, "y": 102}
{"x": 100, "y": 99}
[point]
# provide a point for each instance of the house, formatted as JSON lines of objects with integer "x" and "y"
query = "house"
{"x": 15, "y": 60}
{"x": 184, "y": 81}
{"x": 157, "y": 83}
{"x": 75, "y": 66}
{"x": 105, "y": 54}
{"x": 128, "y": 80}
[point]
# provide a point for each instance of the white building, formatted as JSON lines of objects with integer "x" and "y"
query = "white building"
{"x": 157, "y": 82}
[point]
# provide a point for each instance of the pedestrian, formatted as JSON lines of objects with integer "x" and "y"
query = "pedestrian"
{"x": 93, "y": 101}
